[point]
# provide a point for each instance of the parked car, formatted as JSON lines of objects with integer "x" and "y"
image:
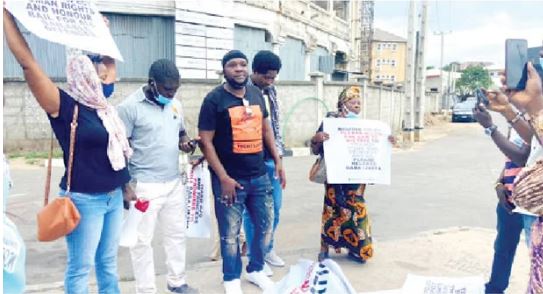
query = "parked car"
{"x": 463, "y": 111}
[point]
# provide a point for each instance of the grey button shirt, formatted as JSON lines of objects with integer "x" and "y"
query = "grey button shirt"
{"x": 153, "y": 133}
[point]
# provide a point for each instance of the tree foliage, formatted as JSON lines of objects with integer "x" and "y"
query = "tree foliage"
{"x": 472, "y": 78}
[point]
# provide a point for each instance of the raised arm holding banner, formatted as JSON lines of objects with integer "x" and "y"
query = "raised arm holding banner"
{"x": 76, "y": 24}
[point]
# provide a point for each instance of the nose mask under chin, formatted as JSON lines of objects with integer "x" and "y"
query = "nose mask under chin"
{"x": 160, "y": 98}
{"x": 235, "y": 84}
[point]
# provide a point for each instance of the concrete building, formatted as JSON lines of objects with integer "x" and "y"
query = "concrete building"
{"x": 309, "y": 36}
{"x": 435, "y": 82}
{"x": 388, "y": 58}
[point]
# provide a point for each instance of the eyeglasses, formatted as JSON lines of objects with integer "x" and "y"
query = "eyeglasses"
{"x": 248, "y": 110}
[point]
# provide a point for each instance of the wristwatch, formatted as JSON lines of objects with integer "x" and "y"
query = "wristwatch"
{"x": 490, "y": 130}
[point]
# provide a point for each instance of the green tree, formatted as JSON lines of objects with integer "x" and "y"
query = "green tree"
{"x": 472, "y": 78}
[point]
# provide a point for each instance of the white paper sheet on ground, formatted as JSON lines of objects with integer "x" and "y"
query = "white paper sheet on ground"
{"x": 358, "y": 151}
{"x": 312, "y": 277}
{"x": 415, "y": 284}
{"x": 76, "y": 24}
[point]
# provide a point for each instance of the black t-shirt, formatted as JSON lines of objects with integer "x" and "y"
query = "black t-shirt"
{"x": 238, "y": 136}
{"x": 92, "y": 171}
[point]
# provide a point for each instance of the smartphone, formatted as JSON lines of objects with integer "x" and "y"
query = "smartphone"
{"x": 516, "y": 56}
{"x": 481, "y": 98}
{"x": 535, "y": 58}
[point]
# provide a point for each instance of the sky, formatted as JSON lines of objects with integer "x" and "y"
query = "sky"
{"x": 475, "y": 30}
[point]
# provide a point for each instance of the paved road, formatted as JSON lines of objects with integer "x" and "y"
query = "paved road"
{"x": 443, "y": 182}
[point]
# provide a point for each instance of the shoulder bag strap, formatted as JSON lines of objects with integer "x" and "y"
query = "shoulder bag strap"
{"x": 73, "y": 127}
{"x": 48, "y": 176}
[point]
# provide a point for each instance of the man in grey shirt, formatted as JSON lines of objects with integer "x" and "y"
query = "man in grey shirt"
{"x": 156, "y": 132}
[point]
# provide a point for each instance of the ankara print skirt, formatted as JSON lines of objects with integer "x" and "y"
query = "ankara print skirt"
{"x": 345, "y": 222}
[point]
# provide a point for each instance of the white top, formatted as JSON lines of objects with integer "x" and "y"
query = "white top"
{"x": 536, "y": 153}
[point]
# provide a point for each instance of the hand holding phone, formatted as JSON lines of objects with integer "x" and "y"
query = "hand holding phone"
{"x": 481, "y": 98}
{"x": 516, "y": 56}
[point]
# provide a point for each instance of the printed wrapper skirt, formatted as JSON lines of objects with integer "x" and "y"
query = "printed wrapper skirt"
{"x": 345, "y": 222}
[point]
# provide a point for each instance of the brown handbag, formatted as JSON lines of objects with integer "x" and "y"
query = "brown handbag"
{"x": 317, "y": 173}
{"x": 59, "y": 217}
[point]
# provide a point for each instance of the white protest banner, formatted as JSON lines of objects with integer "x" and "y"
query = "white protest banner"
{"x": 76, "y": 24}
{"x": 197, "y": 201}
{"x": 440, "y": 285}
{"x": 358, "y": 151}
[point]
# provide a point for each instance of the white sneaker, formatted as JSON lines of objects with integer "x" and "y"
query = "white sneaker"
{"x": 260, "y": 279}
{"x": 233, "y": 287}
{"x": 273, "y": 259}
{"x": 267, "y": 270}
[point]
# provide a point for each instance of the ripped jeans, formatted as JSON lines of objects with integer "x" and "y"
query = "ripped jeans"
{"x": 257, "y": 199}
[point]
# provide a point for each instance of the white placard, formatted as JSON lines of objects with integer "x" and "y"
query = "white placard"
{"x": 77, "y": 24}
{"x": 358, "y": 151}
{"x": 197, "y": 201}
{"x": 438, "y": 285}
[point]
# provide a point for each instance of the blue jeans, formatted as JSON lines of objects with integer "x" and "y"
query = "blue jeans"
{"x": 256, "y": 197}
{"x": 277, "y": 194}
{"x": 509, "y": 227}
{"x": 94, "y": 241}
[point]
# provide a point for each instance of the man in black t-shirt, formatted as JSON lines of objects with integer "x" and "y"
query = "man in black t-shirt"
{"x": 233, "y": 127}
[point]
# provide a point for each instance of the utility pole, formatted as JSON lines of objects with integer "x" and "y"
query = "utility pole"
{"x": 444, "y": 103}
{"x": 409, "y": 118}
{"x": 420, "y": 89}
{"x": 366, "y": 36}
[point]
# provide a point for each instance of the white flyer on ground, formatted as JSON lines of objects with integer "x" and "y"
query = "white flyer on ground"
{"x": 358, "y": 151}
{"x": 77, "y": 24}
{"x": 441, "y": 285}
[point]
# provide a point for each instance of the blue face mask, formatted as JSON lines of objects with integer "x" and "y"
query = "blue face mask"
{"x": 108, "y": 89}
{"x": 161, "y": 99}
{"x": 351, "y": 114}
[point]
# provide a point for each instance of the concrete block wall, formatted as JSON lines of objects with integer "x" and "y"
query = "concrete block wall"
{"x": 26, "y": 125}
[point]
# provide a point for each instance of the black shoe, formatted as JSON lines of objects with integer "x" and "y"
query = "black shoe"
{"x": 356, "y": 258}
{"x": 185, "y": 289}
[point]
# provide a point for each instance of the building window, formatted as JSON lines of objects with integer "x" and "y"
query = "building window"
{"x": 378, "y": 62}
{"x": 341, "y": 9}
{"x": 379, "y": 46}
{"x": 393, "y": 78}
{"x": 394, "y": 47}
{"x": 321, "y": 3}
{"x": 377, "y": 77}
{"x": 393, "y": 63}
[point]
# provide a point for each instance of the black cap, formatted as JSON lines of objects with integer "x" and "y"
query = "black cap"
{"x": 231, "y": 55}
